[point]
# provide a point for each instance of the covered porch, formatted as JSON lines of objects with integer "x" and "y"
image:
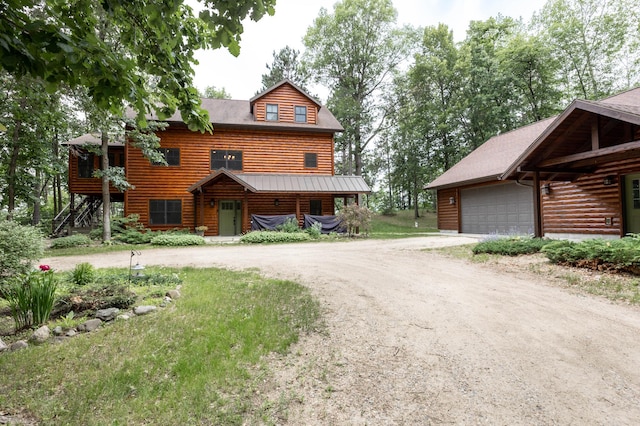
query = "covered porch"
{"x": 225, "y": 201}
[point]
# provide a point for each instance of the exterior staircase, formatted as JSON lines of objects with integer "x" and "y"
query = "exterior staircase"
{"x": 82, "y": 215}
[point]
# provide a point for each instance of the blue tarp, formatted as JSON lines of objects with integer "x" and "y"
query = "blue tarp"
{"x": 269, "y": 222}
{"x": 329, "y": 223}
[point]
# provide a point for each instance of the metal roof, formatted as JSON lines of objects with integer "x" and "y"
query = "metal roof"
{"x": 298, "y": 183}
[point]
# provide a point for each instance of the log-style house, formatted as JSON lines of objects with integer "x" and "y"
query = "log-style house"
{"x": 272, "y": 155}
{"x": 574, "y": 176}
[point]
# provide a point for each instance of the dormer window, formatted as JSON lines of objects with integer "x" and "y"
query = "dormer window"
{"x": 301, "y": 114}
{"x": 272, "y": 112}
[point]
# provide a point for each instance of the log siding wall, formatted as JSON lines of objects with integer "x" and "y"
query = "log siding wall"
{"x": 582, "y": 206}
{"x": 262, "y": 152}
{"x": 91, "y": 186}
{"x": 287, "y": 98}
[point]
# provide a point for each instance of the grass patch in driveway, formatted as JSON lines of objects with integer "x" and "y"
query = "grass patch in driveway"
{"x": 197, "y": 361}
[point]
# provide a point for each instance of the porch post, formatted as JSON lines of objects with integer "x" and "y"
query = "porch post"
{"x": 298, "y": 208}
{"x": 201, "y": 207}
{"x": 246, "y": 226}
{"x": 537, "y": 207}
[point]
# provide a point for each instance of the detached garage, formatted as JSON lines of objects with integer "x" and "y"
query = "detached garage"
{"x": 497, "y": 209}
{"x": 572, "y": 176}
{"x": 472, "y": 198}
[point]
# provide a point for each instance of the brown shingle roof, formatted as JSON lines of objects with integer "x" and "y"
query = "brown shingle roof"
{"x": 500, "y": 156}
{"x": 492, "y": 158}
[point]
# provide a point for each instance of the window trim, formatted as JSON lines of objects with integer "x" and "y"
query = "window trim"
{"x": 307, "y": 157}
{"x": 165, "y": 212}
{"x": 270, "y": 113}
{"x": 165, "y": 152}
{"x": 296, "y": 114}
{"x": 227, "y": 152}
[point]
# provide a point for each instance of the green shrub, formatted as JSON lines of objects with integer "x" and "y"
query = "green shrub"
{"x": 71, "y": 241}
{"x": 290, "y": 226}
{"x": 510, "y": 246}
{"x": 134, "y": 236}
{"x": 620, "y": 254}
{"x": 20, "y": 247}
{"x": 177, "y": 240}
{"x": 31, "y": 298}
{"x": 260, "y": 237}
{"x": 355, "y": 218}
{"x": 315, "y": 230}
{"x": 83, "y": 274}
{"x": 96, "y": 234}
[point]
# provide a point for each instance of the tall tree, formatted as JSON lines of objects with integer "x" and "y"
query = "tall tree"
{"x": 353, "y": 51}
{"x": 212, "y": 92}
{"x": 286, "y": 65}
{"x": 595, "y": 43}
{"x": 58, "y": 42}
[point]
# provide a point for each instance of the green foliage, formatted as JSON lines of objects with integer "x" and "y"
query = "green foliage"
{"x": 261, "y": 237}
{"x": 286, "y": 65}
{"x": 107, "y": 51}
{"x": 71, "y": 241}
{"x": 211, "y": 351}
{"x": 356, "y": 217}
{"x": 20, "y": 247}
{"x": 314, "y": 231}
{"x": 133, "y": 236}
{"x": 511, "y": 246}
{"x": 177, "y": 240}
{"x": 290, "y": 225}
{"x": 83, "y": 274}
{"x": 354, "y": 50}
{"x": 621, "y": 254}
{"x": 31, "y": 298}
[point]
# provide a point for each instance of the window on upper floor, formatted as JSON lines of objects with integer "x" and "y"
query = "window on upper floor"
{"x": 171, "y": 156}
{"x": 165, "y": 212}
{"x": 230, "y": 160}
{"x": 272, "y": 112}
{"x": 310, "y": 160}
{"x": 301, "y": 114}
{"x": 85, "y": 165}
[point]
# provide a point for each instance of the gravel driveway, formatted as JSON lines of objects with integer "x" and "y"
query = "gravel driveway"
{"x": 418, "y": 338}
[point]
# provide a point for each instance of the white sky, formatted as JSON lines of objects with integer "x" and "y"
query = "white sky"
{"x": 241, "y": 76}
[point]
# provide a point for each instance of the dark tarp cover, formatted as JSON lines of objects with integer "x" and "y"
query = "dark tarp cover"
{"x": 329, "y": 223}
{"x": 269, "y": 223}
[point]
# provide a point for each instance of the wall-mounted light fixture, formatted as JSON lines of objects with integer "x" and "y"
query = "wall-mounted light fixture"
{"x": 452, "y": 200}
{"x": 276, "y": 202}
{"x": 609, "y": 180}
{"x": 546, "y": 189}
{"x": 212, "y": 202}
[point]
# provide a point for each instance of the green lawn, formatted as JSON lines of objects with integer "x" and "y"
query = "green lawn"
{"x": 402, "y": 224}
{"x": 197, "y": 361}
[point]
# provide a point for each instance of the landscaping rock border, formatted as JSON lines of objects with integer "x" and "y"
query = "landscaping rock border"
{"x": 102, "y": 316}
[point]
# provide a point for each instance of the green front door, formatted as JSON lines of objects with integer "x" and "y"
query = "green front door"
{"x": 632, "y": 203}
{"x": 230, "y": 216}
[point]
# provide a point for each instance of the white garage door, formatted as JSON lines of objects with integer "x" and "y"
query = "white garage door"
{"x": 497, "y": 209}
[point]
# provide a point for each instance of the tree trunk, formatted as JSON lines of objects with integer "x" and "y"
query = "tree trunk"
{"x": 12, "y": 171}
{"x": 37, "y": 189}
{"x": 106, "y": 196}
